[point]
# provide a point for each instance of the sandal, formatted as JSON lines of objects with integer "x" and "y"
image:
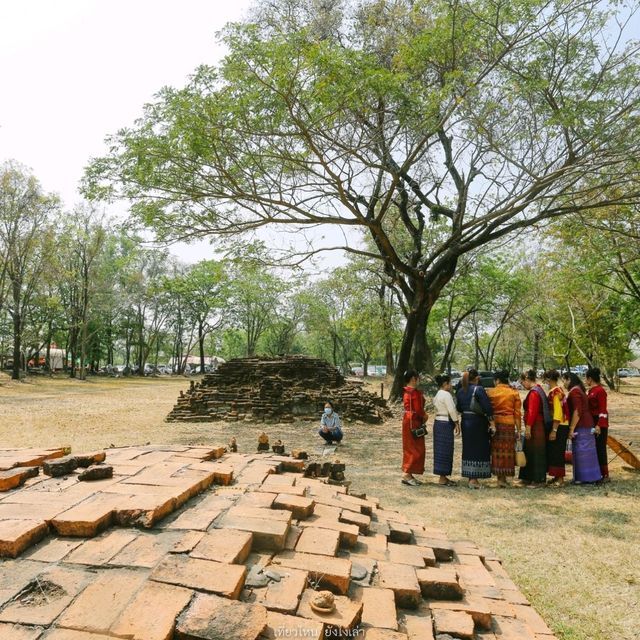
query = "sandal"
{"x": 411, "y": 482}
{"x": 448, "y": 483}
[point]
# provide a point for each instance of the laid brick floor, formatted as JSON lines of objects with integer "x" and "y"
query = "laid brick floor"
{"x": 192, "y": 543}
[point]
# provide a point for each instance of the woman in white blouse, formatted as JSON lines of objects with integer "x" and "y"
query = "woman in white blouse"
{"x": 446, "y": 425}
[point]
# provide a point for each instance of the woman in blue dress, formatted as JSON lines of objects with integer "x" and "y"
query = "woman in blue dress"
{"x": 476, "y": 429}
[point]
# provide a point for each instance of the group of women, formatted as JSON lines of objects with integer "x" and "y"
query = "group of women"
{"x": 491, "y": 422}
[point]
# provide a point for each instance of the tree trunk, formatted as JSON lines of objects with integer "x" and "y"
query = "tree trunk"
{"x": 201, "y": 345}
{"x": 17, "y": 345}
{"x": 388, "y": 356}
{"x": 404, "y": 356}
{"x": 537, "y": 335}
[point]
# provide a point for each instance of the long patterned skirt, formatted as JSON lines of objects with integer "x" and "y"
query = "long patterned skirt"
{"x": 443, "y": 447}
{"x": 585, "y": 456}
{"x": 413, "y": 451}
{"x": 503, "y": 447}
{"x": 476, "y": 447}
{"x": 556, "y": 450}
{"x": 535, "y": 449}
{"x": 601, "y": 448}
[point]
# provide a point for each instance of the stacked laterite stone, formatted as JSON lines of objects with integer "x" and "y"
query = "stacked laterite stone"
{"x": 241, "y": 561}
{"x": 275, "y": 389}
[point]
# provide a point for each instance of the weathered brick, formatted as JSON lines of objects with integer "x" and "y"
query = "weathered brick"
{"x": 12, "y": 631}
{"x": 333, "y": 574}
{"x": 201, "y": 515}
{"x": 442, "y": 549}
{"x": 53, "y": 549}
{"x": 88, "y": 611}
{"x": 70, "y": 634}
{"x": 439, "y": 583}
{"x": 147, "y": 550}
{"x": 59, "y": 466}
{"x": 419, "y": 627}
{"x": 152, "y": 613}
{"x": 16, "y": 574}
{"x": 374, "y": 546}
{"x": 97, "y": 472}
{"x": 86, "y": 459}
{"x": 362, "y": 521}
{"x": 256, "y": 499}
{"x": 12, "y": 478}
{"x": 212, "y": 618}
{"x": 292, "y": 537}
{"x": 348, "y": 532}
{"x": 48, "y": 596}
{"x": 383, "y": 634}
{"x": 187, "y": 542}
{"x": 267, "y": 533}
{"x": 400, "y": 533}
{"x": 365, "y": 506}
{"x": 346, "y": 615}
{"x": 224, "y": 545}
{"x": 378, "y": 608}
{"x": 455, "y": 623}
{"x": 532, "y": 618}
{"x": 358, "y": 565}
{"x": 18, "y": 535}
{"x": 284, "y": 595}
{"x": 512, "y": 629}
{"x": 475, "y": 607}
{"x": 402, "y": 580}
{"x": 409, "y": 554}
{"x": 300, "y": 506}
{"x": 87, "y": 518}
{"x": 100, "y": 550}
{"x": 285, "y": 626}
{"x": 206, "y": 575}
{"x": 320, "y": 541}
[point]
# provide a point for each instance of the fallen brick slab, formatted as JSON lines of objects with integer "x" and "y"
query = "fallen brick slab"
{"x": 86, "y": 459}
{"x": 223, "y": 545}
{"x": 209, "y": 617}
{"x": 46, "y": 597}
{"x": 286, "y": 626}
{"x": 22, "y": 511}
{"x": 374, "y": 546}
{"x": 513, "y": 629}
{"x": 284, "y": 595}
{"x": 410, "y": 554}
{"x": 442, "y": 550}
{"x": 60, "y": 466}
{"x": 206, "y": 575}
{"x": 379, "y": 608}
{"x": 87, "y": 518}
{"x": 402, "y": 580}
{"x": 152, "y": 613}
{"x": 88, "y": 611}
{"x": 98, "y": 551}
{"x": 200, "y": 515}
{"x": 333, "y": 574}
{"x": 146, "y": 550}
{"x": 440, "y": 583}
{"x": 474, "y": 606}
{"x": 455, "y": 623}
{"x": 362, "y": 521}
{"x": 12, "y": 631}
{"x": 419, "y": 627}
{"x": 53, "y": 549}
{"x": 96, "y": 472}
{"x": 12, "y": 478}
{"x": 300, "y": 507}
{"x": 348, "y": 532}
{"x": 320, "y": 541}
{"x": 143, "y": 510}
{"x": 267, "y": 533}
{"x": 400, "y": 533}
{"x": 18, "y": 535}
{"x": 345, "y": 616}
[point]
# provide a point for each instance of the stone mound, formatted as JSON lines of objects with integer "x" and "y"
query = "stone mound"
{"x": 276, "y": 390}
{"x": 246, "y": 559}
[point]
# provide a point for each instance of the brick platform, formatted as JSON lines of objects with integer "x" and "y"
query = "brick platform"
{"x": 188, "y": 543}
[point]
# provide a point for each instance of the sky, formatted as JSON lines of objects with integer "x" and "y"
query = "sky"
{"x": 74, "y": 71}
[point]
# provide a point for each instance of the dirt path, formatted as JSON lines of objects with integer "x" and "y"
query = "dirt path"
{"x": 573, "y": 552}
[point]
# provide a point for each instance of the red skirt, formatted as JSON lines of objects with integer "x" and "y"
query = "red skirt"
{"x": 503, "y": 447}
{"x": 413, "y": 451}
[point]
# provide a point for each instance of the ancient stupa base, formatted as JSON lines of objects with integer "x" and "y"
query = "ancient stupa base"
{"x": 192, "y": 543}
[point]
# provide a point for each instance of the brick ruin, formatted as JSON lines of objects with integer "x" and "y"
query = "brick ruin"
{"x": 276, "y": 390}
{"x": 192, "y": 543}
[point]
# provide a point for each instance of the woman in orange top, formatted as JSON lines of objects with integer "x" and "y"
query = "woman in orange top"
{"x": 507, "y": 412}
{"x": 557, "y": 443}
{"x": 413, "y": 451}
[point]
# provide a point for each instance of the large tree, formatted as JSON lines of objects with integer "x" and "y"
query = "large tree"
{"x": 435, "y": 127}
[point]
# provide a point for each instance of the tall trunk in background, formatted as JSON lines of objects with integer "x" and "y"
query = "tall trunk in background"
{"x": 201, "y": 344}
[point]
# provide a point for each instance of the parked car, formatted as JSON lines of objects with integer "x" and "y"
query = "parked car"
{"x": 628, "y": 372}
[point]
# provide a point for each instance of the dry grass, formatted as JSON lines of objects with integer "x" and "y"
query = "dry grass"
{"x": 573, "y": 552}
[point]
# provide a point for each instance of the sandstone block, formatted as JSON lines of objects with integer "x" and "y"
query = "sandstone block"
{"x": 209, "y": 617}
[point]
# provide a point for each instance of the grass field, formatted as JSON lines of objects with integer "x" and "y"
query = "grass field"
{"x": 574, "y": 552}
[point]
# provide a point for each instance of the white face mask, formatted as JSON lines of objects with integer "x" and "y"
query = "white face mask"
{"x": 328, "y": 410}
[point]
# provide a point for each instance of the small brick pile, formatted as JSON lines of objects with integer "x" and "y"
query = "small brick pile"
{"x": 277, "y": 390}
{"x": 245, "y": 560}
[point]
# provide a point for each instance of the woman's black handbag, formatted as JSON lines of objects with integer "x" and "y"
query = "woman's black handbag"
{"x": 420, "y": 432}
{"x": 475, "y": 405}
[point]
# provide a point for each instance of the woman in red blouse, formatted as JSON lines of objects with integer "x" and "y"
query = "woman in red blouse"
{"x": 598, "y": 407}
{"x": 413, "y": 451}
{"x": 536, "y": 409}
